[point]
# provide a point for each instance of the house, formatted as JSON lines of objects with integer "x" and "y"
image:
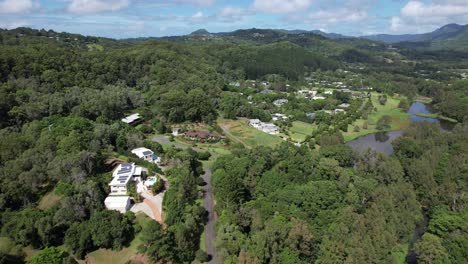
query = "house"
{"x": 311, "y": 114}
{"x": 132, "y": 119}
{"x": 146, "y": 154}
{"x": 344, "y": 105}
{"x": 280, "y": 102}
{"x": 358, "y": 95}
{"x": 266, "y": 91}
{"x": 255, "y": 123}
{"x": 175, "y": 131}
{"x": 269, "y": 128}
{"x": 121, "y": 177}
{"x": 318, "y": 98}
{"x": 337, "y": 111}
{"x": 236, "y": 84}
{"x": 119, "y": 203}
{"x": 278, "y": 116}
{"x": 329, "y": 92}
{"x": 307, "y": 92}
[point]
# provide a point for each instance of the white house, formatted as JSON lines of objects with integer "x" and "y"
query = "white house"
{"x": 329, "y": 92}
{"x": 119, "y": 203}
{"x": 344, "y": 105}
{"x": 255, "y": 123}
{"x": 131, "y": 119}
{"x": 280, "y": 102}
{"x": 278, "y": 116}
{"x": 147, "y": 154}
{"x": 307, "y": 92}
{"x": 337, "y": 111}
{"x": 269, "y": 128}
{"x": 122, "y": 176}
{"x": 318, "y": 98}
{"x": 175, "y": 131}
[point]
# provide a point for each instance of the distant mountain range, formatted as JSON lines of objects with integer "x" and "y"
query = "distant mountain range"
{"x": 451, "y": 36}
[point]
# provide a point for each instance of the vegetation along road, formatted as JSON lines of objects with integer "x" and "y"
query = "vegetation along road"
{"x": 208, "y": 203}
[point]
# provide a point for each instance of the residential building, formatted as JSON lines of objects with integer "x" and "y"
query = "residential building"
{"x": 122, "y": 175}
{"x": 132, "y": 119}
{"x": 255, "y": 123}
{"x": 266, "y": 127}
{"x": 278, "y": 116}
{"x": 119, "y": 203}
{"x": 147, "y": 154}
{"x": 318, "y": 98}
{"x": 280, "y": 102}
{"x": 311, "y": 114}
{"x": 329, "y": 92}
{"x": 266, "y": 91}
{"x": 344, "y": 105}
{"x": 337, "y": 111}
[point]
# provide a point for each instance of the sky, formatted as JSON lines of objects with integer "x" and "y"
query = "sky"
{"x": 145, "y": 18}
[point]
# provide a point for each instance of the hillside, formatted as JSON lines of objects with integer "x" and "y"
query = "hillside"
{"x": 451, "y": 36}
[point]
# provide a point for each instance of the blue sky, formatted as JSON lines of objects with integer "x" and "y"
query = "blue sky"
{"x": 142, "y": 18}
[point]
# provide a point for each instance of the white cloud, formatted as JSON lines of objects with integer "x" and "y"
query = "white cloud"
{"x": 417, "y": 16}
{"x": 339, "y": 15}
{"x": 230, "y": 13}
{"x": 196, "y": 2}
{"x": 281, "y": 6}
{"x": 198, "y": 17}
{"x": 16, "y": 6}
{"x": 96, "y": 6}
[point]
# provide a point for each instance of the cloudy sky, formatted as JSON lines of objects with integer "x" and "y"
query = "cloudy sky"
{"x": 141, "y": 18}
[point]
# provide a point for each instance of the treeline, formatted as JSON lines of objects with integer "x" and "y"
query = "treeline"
{"x": 295, "y": 205}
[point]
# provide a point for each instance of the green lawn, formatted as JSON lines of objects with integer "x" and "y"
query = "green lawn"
{"x": 300, "y": 130}
{"x": 49, "y": 200}
{"x": 400, "y": 119}
{"x": 240, "y": 131}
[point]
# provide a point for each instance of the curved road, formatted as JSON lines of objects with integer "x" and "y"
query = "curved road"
{"x": 208, "y": 203}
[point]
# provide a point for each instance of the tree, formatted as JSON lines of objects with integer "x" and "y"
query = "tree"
{"x": 384, "y": 122}
{"x": 429, "y": 250}
{"x": 51, "y": 255}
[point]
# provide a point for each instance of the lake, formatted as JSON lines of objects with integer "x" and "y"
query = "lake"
{"x": 382, "y": 141}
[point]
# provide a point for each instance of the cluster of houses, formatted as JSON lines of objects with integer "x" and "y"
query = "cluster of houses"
{"x": 126, "y": 173}
{"x": 266, "y": 127}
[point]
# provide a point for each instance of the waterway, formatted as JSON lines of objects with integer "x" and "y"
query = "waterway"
{"x": 382, "y": 141}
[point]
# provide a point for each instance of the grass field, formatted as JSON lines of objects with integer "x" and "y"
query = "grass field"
{"x": 49, "y": 200}
{"x": 300, "y": 130}
{"x": 121, "y": 256}
{"x": 240, "y": 131}
{"x": 400, "y": 119}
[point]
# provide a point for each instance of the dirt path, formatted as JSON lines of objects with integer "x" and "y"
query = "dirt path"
{"x": 208, "y": 203}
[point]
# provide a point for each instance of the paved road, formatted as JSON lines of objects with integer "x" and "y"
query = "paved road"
{"x": 208, "y": 203}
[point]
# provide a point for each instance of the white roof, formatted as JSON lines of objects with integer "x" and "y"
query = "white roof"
{"x": 131, "y": 118}
{"x": 254, "y": 120}
{"x": 123, "y": 174}
{"x": 141, "y": 152}
{"x": 116, "y": 201}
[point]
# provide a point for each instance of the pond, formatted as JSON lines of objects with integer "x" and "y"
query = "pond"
{"x": 382, "y": 141}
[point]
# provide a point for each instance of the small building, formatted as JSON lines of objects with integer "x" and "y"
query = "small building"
{"x": 278, "y": 116}
{"x": 280, "y": 102}
{"x": 118, "y": 203}
{"x": 311, "y": 115}
{"x": 132, "y": 119}
{"x": 344, "y": 105}
{"x": 147, "y": 154}
{"x": 255, "y": 123}
{"x": 269, "y": 128}
{"x": 328, "y": 92}
{"x": 266, "y": 91}
{"x": 318, "y": 98}
{"x": 121, "y": 177}
{"x": 175, "y": 131}
{"x": 236, "y": 84}
{"x": 337, "y": 111}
